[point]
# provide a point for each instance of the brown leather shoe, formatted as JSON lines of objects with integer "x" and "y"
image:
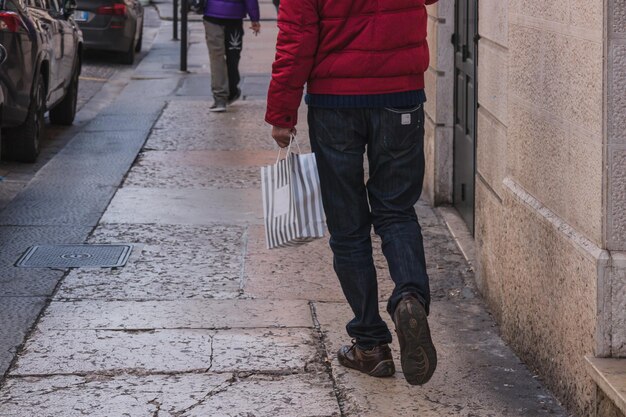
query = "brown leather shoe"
{"x": 374, "y": 362}
{"x": 417, "y": 352}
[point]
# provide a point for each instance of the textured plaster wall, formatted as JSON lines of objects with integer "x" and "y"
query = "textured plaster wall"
{"x": 549, "y": 295}
{"x": 539, "y": 195}
{"x": 555, "y": 99}
{"x": 439, "y": 112}
{"x": 538, "y": 275}
{"x": 558, "y": 165}
{"x": 490, "y": 237}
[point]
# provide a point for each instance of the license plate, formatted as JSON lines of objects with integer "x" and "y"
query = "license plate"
{"x": 80, "y": 16}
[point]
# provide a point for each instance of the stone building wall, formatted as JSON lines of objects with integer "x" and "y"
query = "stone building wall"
{"x": 540, "y": 181}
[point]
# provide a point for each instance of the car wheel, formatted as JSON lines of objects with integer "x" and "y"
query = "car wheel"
{"x": 22, "y": 143}
{"x": 64, "y": 112}
{"x": 140, "y": 41}
{"x": 128, "y": 57}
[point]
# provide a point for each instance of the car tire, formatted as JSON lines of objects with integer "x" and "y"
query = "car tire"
{"x": 64, "y": 112}
{"x": 140, "y": 41}
{"x": 22, "y": 143}
{"x": 128, "y": 57}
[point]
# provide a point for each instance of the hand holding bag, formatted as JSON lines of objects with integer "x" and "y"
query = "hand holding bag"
{"x": 292, "y": 201}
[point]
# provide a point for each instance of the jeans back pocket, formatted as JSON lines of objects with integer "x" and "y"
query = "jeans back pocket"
{"x": 402, "y": 128}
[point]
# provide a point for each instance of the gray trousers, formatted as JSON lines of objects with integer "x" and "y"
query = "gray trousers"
{"x": 225, "y": 43}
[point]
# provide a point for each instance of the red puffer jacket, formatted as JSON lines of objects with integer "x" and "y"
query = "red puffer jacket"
{"x": 346, "y": 47}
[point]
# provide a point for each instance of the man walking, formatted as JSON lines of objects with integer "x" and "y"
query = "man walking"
{"x": 223, "y": 24}
{"x": 364, "y": 62}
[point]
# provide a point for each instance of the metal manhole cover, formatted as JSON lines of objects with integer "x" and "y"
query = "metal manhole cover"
{"x": 75, "y": 256}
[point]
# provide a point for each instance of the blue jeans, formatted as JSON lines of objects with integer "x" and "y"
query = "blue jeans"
{"x": 394, "y": 142}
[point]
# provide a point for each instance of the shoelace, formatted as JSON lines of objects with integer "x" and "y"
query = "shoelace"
{"x": 354, "y": 344}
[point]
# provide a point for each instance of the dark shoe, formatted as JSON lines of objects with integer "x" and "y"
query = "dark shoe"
{"x": 234, "y": 97}
{"x": 417, "y": 352}
{"x": 374, "y": 362}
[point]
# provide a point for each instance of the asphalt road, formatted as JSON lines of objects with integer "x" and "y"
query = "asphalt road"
{"x": 98, "y": 69}
{"x": 76, "y": 174}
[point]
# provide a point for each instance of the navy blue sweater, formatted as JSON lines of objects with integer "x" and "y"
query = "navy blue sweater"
{"x": 395, "y": 100}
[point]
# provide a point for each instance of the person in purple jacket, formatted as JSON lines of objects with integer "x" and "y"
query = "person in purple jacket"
{"x": 223, "y": 24}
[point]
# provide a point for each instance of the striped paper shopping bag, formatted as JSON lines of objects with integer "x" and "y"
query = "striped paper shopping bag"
{"x": 292, "y": 202}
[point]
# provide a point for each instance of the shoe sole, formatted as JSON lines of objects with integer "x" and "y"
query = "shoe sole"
{"x": 384, "y": 368}
{"x": 217, "y": 110}
{"x": 417, "y": 352}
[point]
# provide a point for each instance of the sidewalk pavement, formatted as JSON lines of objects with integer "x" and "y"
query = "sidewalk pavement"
{"x": 204, "y": 320}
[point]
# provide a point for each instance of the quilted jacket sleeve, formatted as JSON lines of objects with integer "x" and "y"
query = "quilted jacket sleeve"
{"x": 252, "y": 7}
{"x": 298, "y": 32}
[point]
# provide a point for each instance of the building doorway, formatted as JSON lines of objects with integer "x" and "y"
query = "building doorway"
{"x": 465, "y": 41}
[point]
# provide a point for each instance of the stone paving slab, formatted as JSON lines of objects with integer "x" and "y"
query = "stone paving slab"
{"x": 477, "y": 374}
{"x": 77, "y": 352}
{"x": 210, "y": 138}
{"x": 166, "y": 351}
{"x": 169, "y": 262}
{"x": 242, "y": 127}
{"x": 153, "y": 281}
{"x": 268, "y": 276}
{"x": 197, "y": 314}
{"x": 174, "y": 243}
{"x": 199, "y": 169}
{"x": 187, "y": 395}
{"x": 185, "y": 206}
{"x": 265, "y": 350}
{"x": 241, "y": 115}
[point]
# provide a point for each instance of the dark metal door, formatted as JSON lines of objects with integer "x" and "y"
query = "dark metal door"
{"x": 465, "y": 40}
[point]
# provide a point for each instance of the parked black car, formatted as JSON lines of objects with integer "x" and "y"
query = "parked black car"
{"x": 41, "y": 71}
{"x": 112, "y": 25}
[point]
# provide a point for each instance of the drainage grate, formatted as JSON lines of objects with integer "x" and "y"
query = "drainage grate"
{"x": 75, "y": 256}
